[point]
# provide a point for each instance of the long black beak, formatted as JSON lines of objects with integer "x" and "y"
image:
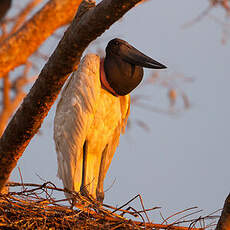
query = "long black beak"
{"x": 135, "y": 57}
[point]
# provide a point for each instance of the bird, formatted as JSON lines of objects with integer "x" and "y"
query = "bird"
{"x": 4, "y": 7}
{"x": 92, "y": 113}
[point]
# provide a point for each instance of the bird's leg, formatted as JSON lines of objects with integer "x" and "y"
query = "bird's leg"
{"x": 91, "y": 168}
{"x": 100, "y": 191}
{"x": 83, "y": 189}
{"x": 87, "y": 197}
{"x": 106, "y": 159}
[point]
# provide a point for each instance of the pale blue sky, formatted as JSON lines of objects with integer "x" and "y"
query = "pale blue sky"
{"x": 183, "y": 161}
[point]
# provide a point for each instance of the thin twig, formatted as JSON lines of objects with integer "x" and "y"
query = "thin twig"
{"x": 142, "y": 204}
{"x": 198, "y": 18}
{"x": 177, "y": 213}
{"x": 125, "y": 204}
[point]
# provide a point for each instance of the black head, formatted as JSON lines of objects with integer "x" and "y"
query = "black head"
{"x": 124, "y": 66}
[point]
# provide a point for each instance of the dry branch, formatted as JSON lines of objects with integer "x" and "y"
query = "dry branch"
{"x": 15, "y": 50}
{"x": 20, "y": 19}
{"x": 36, "y": 105}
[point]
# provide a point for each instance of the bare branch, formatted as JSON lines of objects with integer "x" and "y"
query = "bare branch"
{"x": 30, "y": 36}
{"x": 6, "y": 92}
{"x": 7, "y": 112}
{"x": 224, "y": 221}
{"x": 24, "y": 13}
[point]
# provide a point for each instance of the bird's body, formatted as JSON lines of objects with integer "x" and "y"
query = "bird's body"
{"x": 92, "y": 113}
{"x": 85, "y": 126}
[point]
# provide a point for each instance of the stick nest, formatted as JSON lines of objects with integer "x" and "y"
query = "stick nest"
{"x": 33, "y": 207}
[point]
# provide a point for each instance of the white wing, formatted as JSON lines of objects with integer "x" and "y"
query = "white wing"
{"x": 74, "y": 115}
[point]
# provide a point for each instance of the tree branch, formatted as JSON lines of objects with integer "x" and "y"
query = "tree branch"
{"x": 7, "y": 112}
{"x": 15, "y": 50}
{"x": 23, "y": 14}
{"x": 28, "y": 118}
{"x": 224, "y": 221}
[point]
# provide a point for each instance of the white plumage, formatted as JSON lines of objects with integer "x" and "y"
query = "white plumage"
{"x": 87, "y": 127}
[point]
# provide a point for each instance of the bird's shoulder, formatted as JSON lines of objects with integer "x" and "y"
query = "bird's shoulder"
{"x": 83, "y": 86}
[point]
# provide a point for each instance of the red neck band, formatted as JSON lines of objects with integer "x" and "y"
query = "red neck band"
{"x": 104, "y": 82}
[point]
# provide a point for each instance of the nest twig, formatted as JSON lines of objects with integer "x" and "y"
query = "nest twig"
{"x": 34, "y": 207}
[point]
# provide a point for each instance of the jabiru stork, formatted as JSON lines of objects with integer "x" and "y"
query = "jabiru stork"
{"x": 93, "y": 111}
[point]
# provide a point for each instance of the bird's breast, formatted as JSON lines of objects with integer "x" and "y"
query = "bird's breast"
{"x": 107, "y": 117}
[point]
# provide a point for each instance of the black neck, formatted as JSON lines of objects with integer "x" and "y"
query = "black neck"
{"x": 122, "y": 76}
